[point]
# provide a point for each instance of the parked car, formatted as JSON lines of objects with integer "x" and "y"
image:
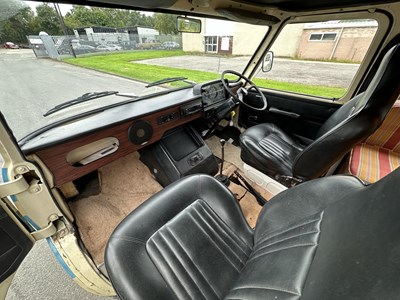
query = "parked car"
{"x": 83, "y": 49}
{"x": 129, "y": 45}
{"x": 10, "y": 45}
{"x": 148, "y": 45}
{"x": 109, "y": 47}
{"x": 100, "y": 176}
{"x": 170, "y": 45}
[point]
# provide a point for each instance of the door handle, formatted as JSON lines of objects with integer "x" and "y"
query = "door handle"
{"x": 284, "y": 112}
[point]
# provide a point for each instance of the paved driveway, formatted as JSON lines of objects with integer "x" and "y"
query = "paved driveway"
{"x": 297, "y": 71}
{"x": 29, "y": 87}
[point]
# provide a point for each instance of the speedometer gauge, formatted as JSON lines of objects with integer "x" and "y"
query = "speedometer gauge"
{"x": 211, "y": 92}
{"x": 220, "y": 93}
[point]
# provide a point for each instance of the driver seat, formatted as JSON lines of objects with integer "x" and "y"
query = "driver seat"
{"x": 281, "y": 156}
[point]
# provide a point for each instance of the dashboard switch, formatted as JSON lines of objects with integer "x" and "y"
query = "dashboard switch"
{"x": 167, "y": 118}
{"x": 191, "y": 109}
{"x": 195, "y": 159}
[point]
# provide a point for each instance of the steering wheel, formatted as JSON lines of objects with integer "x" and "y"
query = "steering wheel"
{"x": 238, "y": 95}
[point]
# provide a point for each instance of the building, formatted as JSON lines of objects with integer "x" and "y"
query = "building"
{"x": 224, "y": 37}
{"x": 98, "y": 34}
{"x": 341, "y": 40}
{"x": 346, "y": 40}
{"x": 141, "y": 34}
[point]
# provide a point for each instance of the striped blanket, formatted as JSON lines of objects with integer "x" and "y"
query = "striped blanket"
{"x": 379, "y": 154}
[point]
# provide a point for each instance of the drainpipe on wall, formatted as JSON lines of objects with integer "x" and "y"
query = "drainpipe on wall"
{"x": 336, "y": 43}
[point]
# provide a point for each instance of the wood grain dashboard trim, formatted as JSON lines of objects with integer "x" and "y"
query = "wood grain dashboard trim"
{"x": 54, "y": 157}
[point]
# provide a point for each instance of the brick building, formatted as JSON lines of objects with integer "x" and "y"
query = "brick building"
{"x": 346, "y": 40}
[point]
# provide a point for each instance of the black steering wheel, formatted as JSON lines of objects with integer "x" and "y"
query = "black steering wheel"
{"x": 238, "y": 94}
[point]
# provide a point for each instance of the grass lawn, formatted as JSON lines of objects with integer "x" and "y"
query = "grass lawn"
{"x": 123, "y": 64}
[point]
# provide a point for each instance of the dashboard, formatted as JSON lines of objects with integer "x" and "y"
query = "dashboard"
{"x": 77, "y": 148}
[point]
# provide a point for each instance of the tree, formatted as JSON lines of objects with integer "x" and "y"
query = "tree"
{"x": 17, "y": 27}
{"x": 81, "y": 16}
{"x": 47, "y": 20}
{"x": 9, "y": 9}
{"x": 165, "y": 23}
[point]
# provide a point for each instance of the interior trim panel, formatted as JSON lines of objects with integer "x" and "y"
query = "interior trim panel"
{"x": 55, "y": 156}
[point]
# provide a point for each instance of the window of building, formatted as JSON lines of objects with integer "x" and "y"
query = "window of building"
{"x": 328, "y": 36}
{"x": 211, "y": 44}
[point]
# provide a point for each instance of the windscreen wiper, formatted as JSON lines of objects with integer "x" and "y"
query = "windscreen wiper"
{"x": 80, "y": 99}
{"x": 170, "y": 79}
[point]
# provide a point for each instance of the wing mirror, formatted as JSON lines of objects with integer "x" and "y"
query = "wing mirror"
{"x": 268, "y": 61}
{"x": 188, "y": 25}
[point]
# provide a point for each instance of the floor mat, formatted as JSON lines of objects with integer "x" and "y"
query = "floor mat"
{"x": 250, "y": 207}
{"x": 122, "y": 190}
{"x": 248, "y": 202}
{"x": 232, "y": 153}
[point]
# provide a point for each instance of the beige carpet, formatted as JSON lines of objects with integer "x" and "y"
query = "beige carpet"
{"x": 232, "y": 153}
{"x": 250, "y": 207}
{"x": 124, "y": 184}
{"x": 127, "y": 182}
{"x": 248, "y": 203}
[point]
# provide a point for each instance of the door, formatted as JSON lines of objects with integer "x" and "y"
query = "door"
{"x": 27, "y": 209}
{"x": 317, "y": 67}
{"x": 294, "y": 114}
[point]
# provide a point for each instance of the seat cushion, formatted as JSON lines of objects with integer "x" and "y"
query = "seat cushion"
{"x": 188, "y": 242}
{"x": 330, "y": 238}
{"x": 267, "y": 148}
{"x": 191, "y": 242}
{"x": 286, "y": 239}
{"x": 370, "y": 162}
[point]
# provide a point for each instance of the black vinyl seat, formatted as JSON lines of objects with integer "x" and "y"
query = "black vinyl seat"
{"x": 329, "y": 238}
{"x": 280, "y": 156}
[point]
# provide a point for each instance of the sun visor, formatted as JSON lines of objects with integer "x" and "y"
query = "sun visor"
{"x": 246, "y": 16}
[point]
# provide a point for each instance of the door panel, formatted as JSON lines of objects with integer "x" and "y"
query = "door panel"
{"x": 14, "y": 246}
{"x": 27, "y": 208}
{"x": 295, "y": 114}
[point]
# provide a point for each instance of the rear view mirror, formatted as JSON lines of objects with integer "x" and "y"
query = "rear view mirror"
{"x": 268, "y": 61}
{"x": 188, "y": 25}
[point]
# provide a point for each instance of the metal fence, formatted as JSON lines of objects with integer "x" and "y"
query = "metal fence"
{"x": 112, "y": 42}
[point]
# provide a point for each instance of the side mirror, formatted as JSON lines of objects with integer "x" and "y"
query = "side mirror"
{"x": 188, "y": 25}
{"x": 268, "y": 61}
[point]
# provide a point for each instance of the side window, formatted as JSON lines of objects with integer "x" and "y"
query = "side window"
{"x": 319, "y": 59}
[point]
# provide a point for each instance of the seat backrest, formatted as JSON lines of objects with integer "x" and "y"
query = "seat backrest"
{"x": 358, "y": 253}
{"x": 353, "y": 122}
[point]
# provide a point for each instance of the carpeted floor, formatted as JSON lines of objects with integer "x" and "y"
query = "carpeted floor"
{"x": 232, "y": 153}
{"x": 122, "y": 190}
{"x": 126, "y": 183}
{"x": 248, "y": 203}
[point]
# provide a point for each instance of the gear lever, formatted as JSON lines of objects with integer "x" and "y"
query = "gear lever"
{"x": 220, "y": 177}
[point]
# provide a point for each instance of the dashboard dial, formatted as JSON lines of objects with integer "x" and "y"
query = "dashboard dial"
{"x": 213, "y": 93}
